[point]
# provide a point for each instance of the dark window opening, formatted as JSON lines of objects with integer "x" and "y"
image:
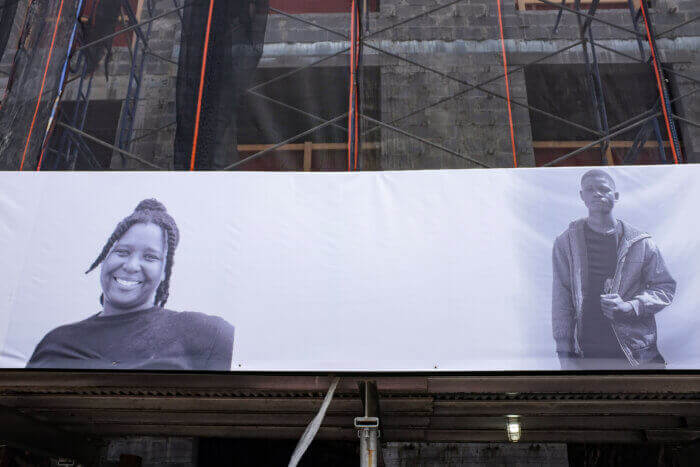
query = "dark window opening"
{"x": 563, "y": 90}
{"x": 102, "y": 120}
{"x": 319, "y": 91}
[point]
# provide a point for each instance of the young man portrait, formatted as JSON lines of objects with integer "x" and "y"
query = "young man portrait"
{"x": 609, "y": 281}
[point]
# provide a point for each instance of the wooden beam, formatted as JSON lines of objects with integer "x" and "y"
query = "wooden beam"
{"x": 407, "y": 434}
{"x": 590, "y": 407}
{"x": 308, "y": 151}
{"x": 608, "y": 156}
{"x": 582, "y": 384}
{"x": 578, "y": 144}
{"x": 77, "y": 417}
{"x": 524, "y": 4}
{"x": 30, "y": 381}
{"x": 214, "y": 404}
{"x": 672, "y": 436}
{"x": 302, "y": 147}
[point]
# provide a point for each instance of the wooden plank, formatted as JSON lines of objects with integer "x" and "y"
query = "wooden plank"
{"x": 527, "y": 3}
{"x": 147, "y": 417}
{"x": 247, "y": 432}
{"x": 29, "y": 381}
{"x": 608, "y": 156}
{"x": 528, "y": 436}
{"x": 612, "y": 384}
{"x": 221, "y": 404}
{"x": 561, "y": 422}
{"x": 235, "y": 404}
{"x": 672, "y": 436}
{"x": 308, "y": 151}
{"x": 536, "y": 436}
{"x": 302, "y": 146}
{"x": 427, "y": 435}
{"x": 536, "y": 422}
{"x": 579, "y": 144}
{"x": 591, "y": 407}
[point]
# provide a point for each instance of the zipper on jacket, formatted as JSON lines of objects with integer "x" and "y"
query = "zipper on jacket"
{"x": 618, "y": 271}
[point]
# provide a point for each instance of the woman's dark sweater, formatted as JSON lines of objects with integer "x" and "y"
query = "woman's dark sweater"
{"x": 152, "y": 339}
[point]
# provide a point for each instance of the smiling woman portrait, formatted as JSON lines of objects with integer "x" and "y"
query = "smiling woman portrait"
{"x": 134, "y": 330}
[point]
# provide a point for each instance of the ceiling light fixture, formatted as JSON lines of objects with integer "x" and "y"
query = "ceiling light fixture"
{"x": 513, "y": 428}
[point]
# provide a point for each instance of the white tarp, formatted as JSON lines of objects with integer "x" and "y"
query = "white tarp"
{"x": 377, "y": 271}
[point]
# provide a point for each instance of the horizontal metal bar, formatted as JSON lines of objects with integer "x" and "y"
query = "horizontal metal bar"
{"x": 423, "y": 140}
{"x": 639, "y": 60}
{"x": 107, "y": 145}
{"x": 132, "y": 27}
{"x": 287, "y": 141}
{"x": 684, "y": 23}
{"x": 474, "y": 86}
{"x": 296, "y": 109}
{"x": 152, "y": 132}
{"x": 685, "y": 120}
{"x": 601, "y": 140}
{"x": 412, "y": 18}
{"x": 592, "y": 18}
{"x": 298, "y": 69}
{"x": 495, "y": 94}
{"x": 310, "y": 23}
{"x": 148, "y": 52}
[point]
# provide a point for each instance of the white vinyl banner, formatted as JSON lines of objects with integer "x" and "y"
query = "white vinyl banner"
{"x": 453, "y": 270}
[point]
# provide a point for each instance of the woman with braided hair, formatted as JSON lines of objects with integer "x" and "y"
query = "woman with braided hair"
{"x": 134, "y": 330}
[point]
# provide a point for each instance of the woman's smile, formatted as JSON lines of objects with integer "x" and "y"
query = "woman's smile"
{"x": 133, "y": 269}
{"x": 126, "y": 283}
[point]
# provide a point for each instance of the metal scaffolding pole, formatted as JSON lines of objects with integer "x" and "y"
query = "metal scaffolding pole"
{"x": 133, "y": 91}
{"x": 586, "y": 19}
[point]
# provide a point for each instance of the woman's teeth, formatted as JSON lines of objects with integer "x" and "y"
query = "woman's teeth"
{"x": 126, "y": 283}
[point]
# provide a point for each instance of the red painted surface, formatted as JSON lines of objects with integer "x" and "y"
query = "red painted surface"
{"x": 318, "y": 6}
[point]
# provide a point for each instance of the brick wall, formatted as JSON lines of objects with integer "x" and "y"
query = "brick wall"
{"x": 460, "y": 41}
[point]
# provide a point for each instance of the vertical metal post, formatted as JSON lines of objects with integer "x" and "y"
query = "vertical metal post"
{"x": 594, "y": 81}
{"x": 662, "y": 86}
{"x": 368, "y": 425}
{"x": 368, "y": 447}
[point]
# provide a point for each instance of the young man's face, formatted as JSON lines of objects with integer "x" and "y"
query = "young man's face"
{"x": 598, "y": 194}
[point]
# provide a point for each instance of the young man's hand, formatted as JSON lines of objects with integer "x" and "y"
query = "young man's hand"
{"x": 613, "y": 307}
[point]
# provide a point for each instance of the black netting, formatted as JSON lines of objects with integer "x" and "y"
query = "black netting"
{"x": 100, "y": 20}
{"x": 17, "y": 116}
{"x": 8, "y": 9}
{"x": 235, "y": 46}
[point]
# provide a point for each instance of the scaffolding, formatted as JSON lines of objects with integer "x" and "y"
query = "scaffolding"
{"x": 72, "y": 145}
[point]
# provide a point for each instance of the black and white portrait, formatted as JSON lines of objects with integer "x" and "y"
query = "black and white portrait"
{"x": 527, "y": 269}
{"x": 134, "y": 330}
{"x": 609, "y": 282}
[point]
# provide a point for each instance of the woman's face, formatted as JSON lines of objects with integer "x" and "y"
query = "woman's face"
{"x": 133, "y": 269}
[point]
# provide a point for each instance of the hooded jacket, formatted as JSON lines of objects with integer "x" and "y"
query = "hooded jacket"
{"x": 640, "y": 278}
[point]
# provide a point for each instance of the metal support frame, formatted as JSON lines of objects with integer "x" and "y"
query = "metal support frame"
{"x": 586, "y": 20}
{"x": 69, "y": 145}
{"x": 138, "y": 60}
{"x": 595, "y": 83}
{"x": 367, "y": 426}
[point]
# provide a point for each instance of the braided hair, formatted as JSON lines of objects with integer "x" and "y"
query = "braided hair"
{"x": 148, "y": 211}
